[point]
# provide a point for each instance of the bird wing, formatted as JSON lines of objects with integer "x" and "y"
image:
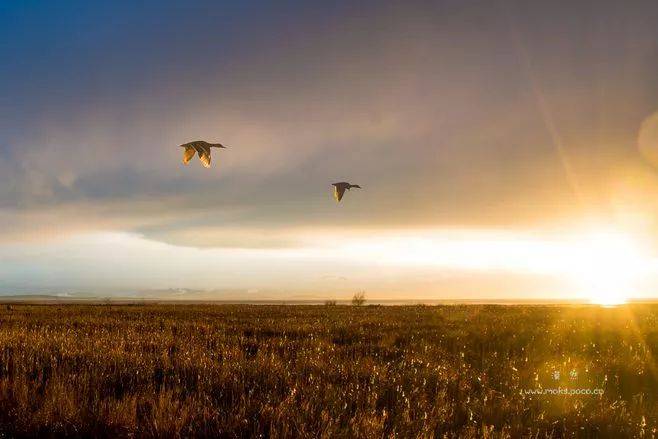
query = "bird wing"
{"x": 339, "y": 191}
{"x": 188, "y": 154}
{"x": 204, "y": 155}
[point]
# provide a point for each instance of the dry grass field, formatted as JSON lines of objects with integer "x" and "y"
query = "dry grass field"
{"x": 309, "y": 371}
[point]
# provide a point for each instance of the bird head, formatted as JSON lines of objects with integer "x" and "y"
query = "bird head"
{"x": 355, "y": 186}
{"x": 218, "y": 145}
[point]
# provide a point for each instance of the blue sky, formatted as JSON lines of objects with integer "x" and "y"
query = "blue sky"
{"x": 504, "y": 117}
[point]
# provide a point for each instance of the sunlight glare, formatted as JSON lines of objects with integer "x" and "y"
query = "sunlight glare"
{"x": 602, "y": 265}
{"x": 611, "y": 264}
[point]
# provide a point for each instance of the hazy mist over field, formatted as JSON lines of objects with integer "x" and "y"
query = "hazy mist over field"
{"x": 506, "y": 149}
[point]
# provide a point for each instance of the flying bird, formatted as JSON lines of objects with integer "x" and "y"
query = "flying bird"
{"x": 339, "y": 189}
{"x": 199, "y": 147}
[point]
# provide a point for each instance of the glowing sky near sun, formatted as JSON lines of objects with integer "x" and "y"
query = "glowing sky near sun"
{"x": 505, "y": 151}
{"x": 601, "y": 266}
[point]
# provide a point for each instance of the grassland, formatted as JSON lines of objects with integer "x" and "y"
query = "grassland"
{"x": 282, "y": 371}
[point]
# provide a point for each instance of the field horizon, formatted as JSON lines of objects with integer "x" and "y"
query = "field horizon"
{"x": 48, "y": 299}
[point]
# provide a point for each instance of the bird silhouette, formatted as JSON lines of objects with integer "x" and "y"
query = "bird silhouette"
{"x": 339, "y": 189}
{"x": 200, "y": 147}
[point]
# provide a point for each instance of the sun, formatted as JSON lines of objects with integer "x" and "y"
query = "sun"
{"x": 608, "y": 266}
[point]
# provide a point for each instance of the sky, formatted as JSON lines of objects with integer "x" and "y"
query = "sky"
{"x": 506, "y": 149}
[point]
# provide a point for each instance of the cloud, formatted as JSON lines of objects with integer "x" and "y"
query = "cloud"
{"x": 438, "y": 133}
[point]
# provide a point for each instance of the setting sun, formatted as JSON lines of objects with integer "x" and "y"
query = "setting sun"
{"x": 609, "y": 266}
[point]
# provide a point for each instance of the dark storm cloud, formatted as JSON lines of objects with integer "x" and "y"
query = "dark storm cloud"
{"x": 431, "y": 106}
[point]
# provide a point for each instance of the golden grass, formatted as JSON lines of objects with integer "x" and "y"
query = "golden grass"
{"x": 282, "y": 371}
